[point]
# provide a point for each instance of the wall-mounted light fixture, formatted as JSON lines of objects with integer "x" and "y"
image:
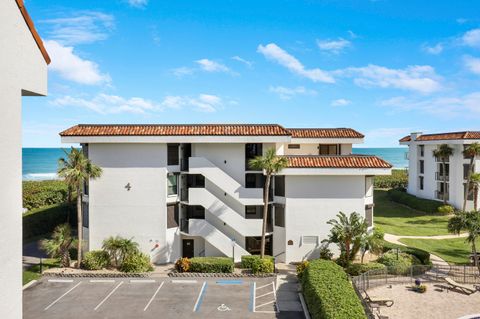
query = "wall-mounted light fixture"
{"x": 128, "y": 186}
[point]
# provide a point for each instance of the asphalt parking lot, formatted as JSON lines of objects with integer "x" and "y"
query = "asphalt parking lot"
{"x": 153, "y": 298}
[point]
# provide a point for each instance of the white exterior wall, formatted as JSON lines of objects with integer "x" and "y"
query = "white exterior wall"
{"x": 23, "y": 71}
{"x": 140, "y": 213}
{"x": 313, "y": 200}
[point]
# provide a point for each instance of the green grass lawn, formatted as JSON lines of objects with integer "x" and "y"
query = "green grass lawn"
{"x": 397, "y": 219}
{"x": 454, "y": 251}
{"x": 33, "y": 272}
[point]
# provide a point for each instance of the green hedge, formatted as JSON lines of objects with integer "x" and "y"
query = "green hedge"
{"x": 38, "y": 194}
{"x": 398, "y": 264}
{"x": 398, "y": 179}
{"x": 328, "y": 292}
{"x": 424, "y": 205}
{"x": 357, "y": 269}
{"x": 96, "y": 260}
{"x": 136, "y": 263}
{"x": 211, "y": 264}
{"x": 422, "y": 255}
{"x": 249, "y": 260}
{"x": 43, "y": 220}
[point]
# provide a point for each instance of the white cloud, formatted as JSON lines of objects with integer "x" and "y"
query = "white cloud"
{"x": 182, "y": 71}
{"x": 287, "y": 93}
{"x": 138, "y": 3}
{"x": 275, "y": 53}
{"x": 203, "y": 102}
{"x": 85, "y": 27}
{"x": 436, "y": 49}
{"x": 333, "y": 46}
{"x": 352, "y": 34}
{"x": 472, "y": 38}
{"x": 72, "y": 67}
{"x": 418, "y": 78}
{"x": 212, "y": 66}
{"x": 246, "y": 62}
{"x": 444, "y": 106}
{"x": 472, "y": 64}
{"x": 340, "y": 102}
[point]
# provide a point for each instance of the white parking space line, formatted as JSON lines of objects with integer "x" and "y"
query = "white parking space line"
{"x": 138, "y": 281}
{"x": 60, "y": 280}
{"x": 268, "y": 293}
{"x": 108, "y": 296}
{"x": 274, "y": 301}
{"x": 200, "y": 297}
{"x": 184, "y": 281}
{"x": 102, "y": 280}
{"x": 264, "y": 304}
{"x": 153, "y": 297}
{"x": 254, "y": 292}
{"x": 264, "y": 286}
{"x": 58, "y": 299}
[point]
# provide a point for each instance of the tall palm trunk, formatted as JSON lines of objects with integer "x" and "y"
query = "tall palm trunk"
{"x": 266, "y": 190}
{"x": 475, "y": 257}
{"x": 79, "y": 227}
{"x": 444, "y": 163}
{"x": 475, "y": 197}
{"x": 467, "y": 187}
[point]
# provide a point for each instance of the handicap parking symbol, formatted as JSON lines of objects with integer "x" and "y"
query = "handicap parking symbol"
{"x": 223, "y": 308}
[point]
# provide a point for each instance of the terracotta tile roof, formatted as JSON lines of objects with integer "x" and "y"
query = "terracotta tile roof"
{"x": 177, "y": 129}
{"x": 324, "y": 133}
{"x": 467, "y": 135}
{"x": 34, "y": 32}
{"x": 337, "y": 161}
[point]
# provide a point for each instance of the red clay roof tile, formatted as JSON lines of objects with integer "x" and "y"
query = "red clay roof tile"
{"x": 467, "y": 135}
{"x": 324, "y": 133}
{"x": 337, "y": 161}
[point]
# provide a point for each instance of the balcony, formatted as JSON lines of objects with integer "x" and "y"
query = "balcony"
{"x": 441, "y": 195}
{"x": 439, "y": 177}
{"x": 441, "y": 159}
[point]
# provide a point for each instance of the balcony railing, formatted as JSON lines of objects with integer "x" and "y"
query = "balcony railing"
{"x": 184, "y": 164}
{"x": 440, "y": 159}
{"x": 184, "y": 195}
{"x": 184, "y": 225}
{"x": 441, "y": 195}
{"x": 439, "y": 177}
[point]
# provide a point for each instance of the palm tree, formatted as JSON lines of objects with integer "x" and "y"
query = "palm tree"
{"x": 469, "y": 222}
{"x": 370, "y": 242}
{"x": 76, "y": 169}
{"x": 60, "y": 244}
{"x": 475, "y": 182}
{"x": 271, "y": 164}
{"x": 347, "y": 233}
{"x": 118, "y": 248}
{"x": 472, "y": 151}
{"x": 443, "y": 152}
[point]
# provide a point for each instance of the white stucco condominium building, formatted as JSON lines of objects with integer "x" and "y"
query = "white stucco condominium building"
{"x": 188, "y": 190}
{"x": 425, "y": 171}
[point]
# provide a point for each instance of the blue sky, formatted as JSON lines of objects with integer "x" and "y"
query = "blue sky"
{"x": 385, "y": 68}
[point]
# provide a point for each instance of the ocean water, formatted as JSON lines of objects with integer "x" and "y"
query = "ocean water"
{"x": 41, "y": 163}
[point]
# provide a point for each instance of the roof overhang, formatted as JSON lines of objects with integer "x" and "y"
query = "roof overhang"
{"x": 176, "y": 139}
{"x": 326, "y": 140}
{"x": 336, "y": 171}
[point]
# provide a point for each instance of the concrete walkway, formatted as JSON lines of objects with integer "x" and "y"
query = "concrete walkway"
{"x": 288, "y": 288}
{"x": 32, "y": 254}
{"x": 436, "y": 261}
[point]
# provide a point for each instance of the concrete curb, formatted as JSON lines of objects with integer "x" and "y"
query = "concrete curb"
{"x": 218, "y": 275}
{"x": 304, "y": 306}
{"x": 96, "y": 275}
{"x": 29, "y": 284}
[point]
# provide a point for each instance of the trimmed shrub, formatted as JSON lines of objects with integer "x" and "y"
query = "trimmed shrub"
{"x": 248, "y": 260}
{"x": 424, "y": 205}
{"x": 263, "y": 265}
{"x": 42, "y": 221}
{"x": 446, "y": 210}
{"x": 38, "y": 194}
{"x": 422, "y": 255}
{"x": 398, "y": 263}
{"x": 182, "y": 264}
{"x": 211, "y": 264}
{"x": 136, "y": 262}
{"x": 325, "y": 252}
{"x": 96, "y": 260}
{"x": 398, "y": 179}
{"x": 301, "y": 268}
{"x": 328, "y": 292}
{"x": 357, "y": 269}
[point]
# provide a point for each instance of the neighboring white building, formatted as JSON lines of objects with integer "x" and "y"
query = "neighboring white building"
{"x": 23, "y": 72}
{"x": 187, "y": 190}
{"x": 425, "y": 171}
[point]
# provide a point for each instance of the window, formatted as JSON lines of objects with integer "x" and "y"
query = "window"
{"x": 172, "y": 154}
{"x": 328, "y": 149}
{"x": 172, "y": 184}
{"x": 250, "y": 211}
{"x": 447, "y": 169}
{"x": 195, "y": 181}
{"x": 421, "y": 148}
{"x": 420, "y": 182}
{"x": 466, "y": 169}
{"x": 309, "y": 240}
{"x": 280, "y": 185}
{"x": 464, "y": 148}
{"x": 253, "y": 180}
{"x": 172, "y": 216}
{"x": 470, "y": 191}
{"x": 422, "y": 166}
{"x": 368, "y": 186}
{"x": 279, "y": 216}
{"x": 251, "y": 151}
{"x": 369, "y": 215}
{"x": 293, "y": 146}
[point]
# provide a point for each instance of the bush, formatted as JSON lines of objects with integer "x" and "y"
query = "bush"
{"x": 211, "y": 264}
{"x": 398, "y": 179}
{"x": 136, "y": 262}
{"x": 38, "y": 194}
{"x": 96, "y": 260}
{"x": 301, "y": 268}
{"x": 325, "y": 252}
{"x": 446, "y": 210}
{"x": 263, "y": 265}
{"x": 424, "y": 205}
{"x": 398, "y": 263}
{"x": 328, "y": 292}
{"x": 422, "y": 255}
{"x": 248, "y": 260}
{"x": 182, "y": 264}
{"x": 42, "y": 221}
{"x": 357, "y": 269}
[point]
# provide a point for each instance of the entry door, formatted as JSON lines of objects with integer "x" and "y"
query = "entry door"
{"x": 187, "y": 250}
